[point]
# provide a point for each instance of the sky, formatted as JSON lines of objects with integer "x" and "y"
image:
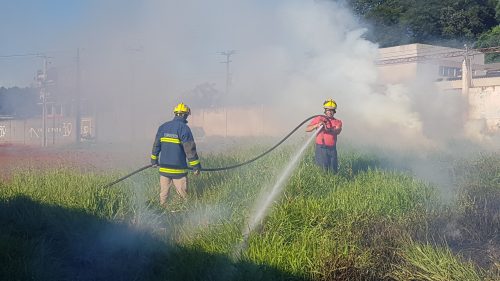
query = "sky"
{"x": 56, "y": 28}
{"x": 29, "y": 27}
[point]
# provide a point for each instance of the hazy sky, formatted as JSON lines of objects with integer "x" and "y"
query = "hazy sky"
{"x": 32, "y": 27}
{"x": 58, "y": 27}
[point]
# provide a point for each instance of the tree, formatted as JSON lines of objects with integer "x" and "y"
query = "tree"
{"x": 490, "y": 39}
{"x": 397, "y": 22}
{"x": 19, "y": 102}
{"x": 497, "y": 10}
{"x": 204, "y": 95}
{"x": 422, "y": 20}
{"x": 466, "y": 19}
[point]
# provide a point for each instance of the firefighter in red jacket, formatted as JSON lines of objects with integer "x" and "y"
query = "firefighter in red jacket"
{"x": 174, "y": 143}
{"x": 326, "y": 139}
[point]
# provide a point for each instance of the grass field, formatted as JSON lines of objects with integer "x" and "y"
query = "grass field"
{"x": 368, "y": 222}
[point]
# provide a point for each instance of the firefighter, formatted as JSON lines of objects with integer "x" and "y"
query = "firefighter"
{"x": 326, "y": 139}
{"x": 174, "y": 143}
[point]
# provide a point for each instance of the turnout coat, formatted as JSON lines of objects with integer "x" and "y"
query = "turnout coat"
{"x": 174, "y": 143}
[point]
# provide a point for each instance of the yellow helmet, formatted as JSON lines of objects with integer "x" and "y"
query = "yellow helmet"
{"x": 330, "y": 104}
{"x": 181, "y": 108}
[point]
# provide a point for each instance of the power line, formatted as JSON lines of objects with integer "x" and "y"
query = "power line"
{"x": 427, "y": 51}
{"x": 22, "y": 55}
{"x": 37, "y": 54}
{"x": 438, "y": 55}
{"x": 422, "y": 49}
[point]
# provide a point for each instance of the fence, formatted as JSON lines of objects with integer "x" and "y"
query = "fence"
{"x": 59, "y": 130}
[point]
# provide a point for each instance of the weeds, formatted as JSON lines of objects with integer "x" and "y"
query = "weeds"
{"x": 364, "y": 223}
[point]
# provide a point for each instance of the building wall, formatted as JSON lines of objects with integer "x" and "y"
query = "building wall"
{"x": 59, "y": 130}
{"x": 485, "y": 105}
{"x": 483, "y": 95}
{"x": 236, "y": 121}
{"x": 400, "y": 72}
{"x": 397, "y": 73}
{"x": 407, "y": 68}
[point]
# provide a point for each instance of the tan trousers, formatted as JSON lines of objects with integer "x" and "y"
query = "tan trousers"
{"x": 180, "y": 187}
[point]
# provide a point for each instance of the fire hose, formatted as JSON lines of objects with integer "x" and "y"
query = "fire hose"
{"x": 221, "y": 168}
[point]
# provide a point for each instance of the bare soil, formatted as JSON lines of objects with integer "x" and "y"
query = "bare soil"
{"x": 23, "y": 157}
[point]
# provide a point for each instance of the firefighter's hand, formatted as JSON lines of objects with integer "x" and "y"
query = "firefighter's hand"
{"x": 196, "y": 172}
{"x": 154, "y": 164}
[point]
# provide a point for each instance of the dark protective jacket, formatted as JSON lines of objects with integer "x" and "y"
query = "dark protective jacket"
{"x": 174, "y": 143}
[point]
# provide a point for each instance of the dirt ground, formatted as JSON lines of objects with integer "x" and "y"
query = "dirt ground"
{"x": 22, "y": 157}
{"x": 105, "y": 157}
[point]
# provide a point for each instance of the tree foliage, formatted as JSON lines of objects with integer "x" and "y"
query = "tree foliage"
{"x": 397, "y": 22}
{"x": 490, "y": 39}
{"x": 497, "y": 10}
{"x": 19, "y": 102}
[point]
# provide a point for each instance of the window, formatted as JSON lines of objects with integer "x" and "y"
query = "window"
{"x": 447, "y": 71}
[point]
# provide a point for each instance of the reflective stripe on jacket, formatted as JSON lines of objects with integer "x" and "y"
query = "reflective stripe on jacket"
{"x": 174, "y": 143}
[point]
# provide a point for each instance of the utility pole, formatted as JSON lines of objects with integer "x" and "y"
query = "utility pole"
{"x": 77, "y": 99}
{"x": 228, "y": 55}
{"x": 43, "y": 95}
{"x": 466, "y": 82}
{"x": 43, "y": 81}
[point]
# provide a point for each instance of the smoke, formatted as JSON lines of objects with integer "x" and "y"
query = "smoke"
{"x": 289, "y": 56}
{"x": 139, "y": 58}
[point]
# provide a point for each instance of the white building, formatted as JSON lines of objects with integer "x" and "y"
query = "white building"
{"x": 478, "y": 82}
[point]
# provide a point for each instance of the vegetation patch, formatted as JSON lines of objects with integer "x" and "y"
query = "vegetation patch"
{"x": 364, "y": 223}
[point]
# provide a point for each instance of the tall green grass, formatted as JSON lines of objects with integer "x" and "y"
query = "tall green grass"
{"x": 353, "y": 225}
{"x": 427, "y": 262}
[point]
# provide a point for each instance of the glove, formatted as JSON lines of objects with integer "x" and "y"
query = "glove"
{"x": 154, "y": 163}
{"x": 196, "y": 172}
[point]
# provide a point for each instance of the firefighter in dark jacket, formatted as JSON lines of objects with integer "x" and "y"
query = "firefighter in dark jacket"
{"x": 174, "y": 143}
{"x": 326, "y": 139}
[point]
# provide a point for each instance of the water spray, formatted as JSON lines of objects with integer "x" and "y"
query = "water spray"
{"x": 262, "y": 209}
{"x": 227, "y": 167}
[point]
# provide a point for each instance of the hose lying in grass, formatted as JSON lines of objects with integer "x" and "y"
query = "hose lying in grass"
{"x": 222, "y": 168}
